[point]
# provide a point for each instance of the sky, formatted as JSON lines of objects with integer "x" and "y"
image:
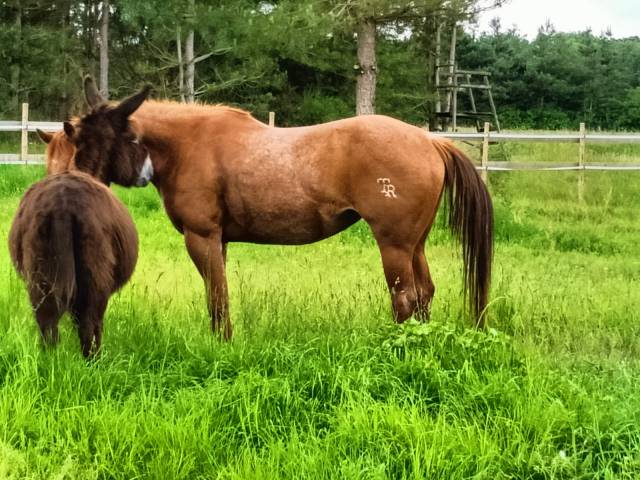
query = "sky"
{"x": 621, "y": 16}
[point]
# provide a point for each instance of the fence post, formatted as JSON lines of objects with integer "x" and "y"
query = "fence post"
{"x": 272, "y": 119}
{"x": 484, "y": 172}
{"x": 24, "y": 140}
{"x": 583, "y": 140}
{"x": 581, "y": 151}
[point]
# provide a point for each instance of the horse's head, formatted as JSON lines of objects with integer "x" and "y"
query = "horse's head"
{"x": 59, "y": 151}
{"x": 107, "y": 146}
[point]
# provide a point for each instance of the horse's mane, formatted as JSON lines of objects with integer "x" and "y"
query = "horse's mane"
{"x": 172, "y": 108}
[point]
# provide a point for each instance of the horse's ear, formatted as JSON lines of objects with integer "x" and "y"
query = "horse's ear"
{"x": 44, "y": 136}
{"x": 131, "y": 104}
{"x": 91, "y": 93}
{"x": 69, "y": 130}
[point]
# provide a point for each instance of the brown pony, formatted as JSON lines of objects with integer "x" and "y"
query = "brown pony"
{"x": 72, "y": 240}
{"x": 226, "y": 177}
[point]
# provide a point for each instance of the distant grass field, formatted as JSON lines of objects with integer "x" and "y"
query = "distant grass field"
{"x": 319, "y": 383}
{"x": 10, "y": 143}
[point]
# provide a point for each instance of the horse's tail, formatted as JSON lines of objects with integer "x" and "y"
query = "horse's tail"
{"x": 58, "y": 267}
{"x": 470, "y": 218}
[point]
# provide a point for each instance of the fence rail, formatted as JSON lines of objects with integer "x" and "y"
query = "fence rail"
{"x": 24, "y": 126}
{"x": 16, "y": 126}
{"x": 17, "y": 159}
{"x": 540, "y": 137}
{"x": 581, "y": 138}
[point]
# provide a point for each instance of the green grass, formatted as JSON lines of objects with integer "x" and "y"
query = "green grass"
{"x": 564, "y": 152}
{"x": 319, "y": 383}
{"x": 10, "y": 143}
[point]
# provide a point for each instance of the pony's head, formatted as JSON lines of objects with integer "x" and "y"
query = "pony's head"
{"x": 59, "y": 152}
{"x": 107, "y": 146}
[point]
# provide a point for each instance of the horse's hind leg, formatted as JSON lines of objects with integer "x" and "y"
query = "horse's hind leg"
{"x": 401, "y": 233}
{"x": 424, "y": 285}
{"x": 399, "y": 238}
{"x": 398, "y": 271}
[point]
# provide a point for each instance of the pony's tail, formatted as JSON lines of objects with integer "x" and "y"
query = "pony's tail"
{"x": 59, "y": 266}
{"x": 470, "y": 218}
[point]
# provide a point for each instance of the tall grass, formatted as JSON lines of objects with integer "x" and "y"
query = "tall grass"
{"x": 319, "y": 383}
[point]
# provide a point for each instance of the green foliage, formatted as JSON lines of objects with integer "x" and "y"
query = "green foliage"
{"x": 297, "y": 58}
{"x": 316, "y": 108}
{"x": 558, "y": 79}
{"x": 631, "y": 118}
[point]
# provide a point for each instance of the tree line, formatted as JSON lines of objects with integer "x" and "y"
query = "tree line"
{"x": 309, "y": 60}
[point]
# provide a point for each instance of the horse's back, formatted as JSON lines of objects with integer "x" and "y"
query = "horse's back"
{"x": 358, "y": 156}
{"x": 297, "y": 185}
{"x": 363, "y": 142}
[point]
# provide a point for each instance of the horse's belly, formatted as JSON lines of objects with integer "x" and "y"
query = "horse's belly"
{"x": 283, "y": 201}
{"x": 287, "y": 227}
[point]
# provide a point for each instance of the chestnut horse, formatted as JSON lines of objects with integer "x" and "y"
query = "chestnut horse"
{"x": 72, "y": 240}
{"x": 226, "y": 177}
{"x": 59, "y": 153}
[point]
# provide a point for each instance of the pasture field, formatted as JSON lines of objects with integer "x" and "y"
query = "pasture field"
{"x": 318, "y": 381}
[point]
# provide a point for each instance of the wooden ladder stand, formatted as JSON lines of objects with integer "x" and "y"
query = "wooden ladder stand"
{"x": 463, "y": 80}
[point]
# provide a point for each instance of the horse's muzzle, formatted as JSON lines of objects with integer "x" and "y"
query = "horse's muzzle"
{"x": 146, "y": 173}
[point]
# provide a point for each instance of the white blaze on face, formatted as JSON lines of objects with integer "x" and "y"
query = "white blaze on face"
{"x": 146, "y": 172}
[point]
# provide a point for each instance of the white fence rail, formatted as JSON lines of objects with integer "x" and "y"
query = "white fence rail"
{"x": 540, "y": 137}
{"x": 581, "y": 138}
{"x": 24, "y": 126}
{"x": 16, "y": 126}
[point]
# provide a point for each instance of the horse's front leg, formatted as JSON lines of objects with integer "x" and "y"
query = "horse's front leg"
{"x": 208, "y": 254}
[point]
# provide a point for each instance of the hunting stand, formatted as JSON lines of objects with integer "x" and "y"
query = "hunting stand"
{"x": 450, "y": 81}
{"x": 458, "y": 81}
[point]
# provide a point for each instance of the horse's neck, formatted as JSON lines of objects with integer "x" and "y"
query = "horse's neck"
{"x": 163, "y": 143}
{"x": 168, "y": 132}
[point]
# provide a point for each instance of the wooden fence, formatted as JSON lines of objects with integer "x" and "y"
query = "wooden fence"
{"x": 581, "y": 138}
{"x": 24, "y": 126}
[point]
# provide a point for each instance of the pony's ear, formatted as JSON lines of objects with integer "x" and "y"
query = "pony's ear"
{"x": 69, "y": 130}
{"x": 44, "y": 136}
{"x": 91, "y": 93}
{"x": 131, "y": 104}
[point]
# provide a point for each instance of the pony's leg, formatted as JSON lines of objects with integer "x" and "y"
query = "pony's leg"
{"x": 209, "y": 254}
{"x": 398, "y": 271}
{"x": 98, "y": 321}
{"x": 86, "y": 339}
{"x": 88, "y": 313}
{"x": 48, "y": 313}
{"x": 424, "y": 285}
